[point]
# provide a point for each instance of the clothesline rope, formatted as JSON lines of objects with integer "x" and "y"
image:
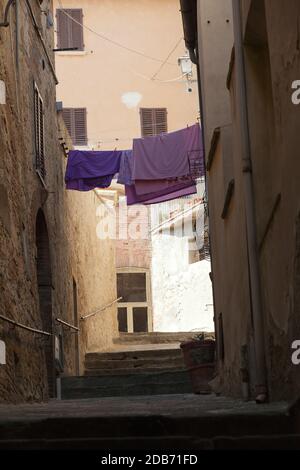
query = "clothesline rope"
{"x": 126, "y": 139}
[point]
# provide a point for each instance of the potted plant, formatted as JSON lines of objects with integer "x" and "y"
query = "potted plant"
{"x": 199, "y": 358}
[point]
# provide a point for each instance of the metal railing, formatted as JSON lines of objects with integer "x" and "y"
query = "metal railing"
{"x": 100, "y": 309}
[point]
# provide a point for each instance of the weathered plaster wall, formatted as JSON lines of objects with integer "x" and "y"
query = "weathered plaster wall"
{"x": 274, "y": 125}
{"x": 215, "y": 39}
{"x": 150, "y": 26}
{"x": 272, "y": 64}
{"x": 182, "y": 296}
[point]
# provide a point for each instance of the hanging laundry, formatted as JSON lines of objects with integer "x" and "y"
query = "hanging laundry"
{"x": 87, "y": 170}
{"x": 159, "y": 196}
{"x": 87, "y": 184}
{"x": 166, "y": 155}
{"x": 159, "y": 168}
{"x": 125, "y": 173}
{"x": 144, "y": 187}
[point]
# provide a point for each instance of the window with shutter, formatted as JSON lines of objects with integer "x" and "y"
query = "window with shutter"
{"x": 69, "y": 28}
{"x": 39, "y": 132}
{"x": 75, "y": 120}
{"x": 153, "y": 121}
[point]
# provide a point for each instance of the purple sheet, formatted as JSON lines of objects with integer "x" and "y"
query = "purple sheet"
{"x": 91, "y": 169}
{"x": 125, "y": 173}
{"x": 159, "y": 196}
{"x": 176, "y": 194}
{"x": 150, "y": 186}
{"x": 87, "y": 184}
{"x": 165, "y": 155}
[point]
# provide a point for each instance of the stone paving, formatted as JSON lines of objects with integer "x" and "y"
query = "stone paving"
{"x": 159, "y": 405}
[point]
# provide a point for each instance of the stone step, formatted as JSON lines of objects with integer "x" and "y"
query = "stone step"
{"x": 134, "y": 354}
{"x": 158, "y": 443}
{"x": 153, "y": 338}
{"x": 141, "y": 364}
{"x": 131, "y": 371}
{"x": 127, "y": 390}
{"x": 144, "y": 383}
{"x": 159, "y": 426}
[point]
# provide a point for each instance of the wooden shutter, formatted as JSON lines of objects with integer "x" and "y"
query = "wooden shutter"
{"x": 146, "y": 122}
{"x": 62, "y": 29}
{"x": 39, "y": 133}
{"x": 160, "y": 119}
{"x": 75, "y": 120}
{"x": 153, "y": 121}
{"x": 42, "y": 139}
{"x": 80, "y": 126}
{"x": 68, "y": 118}
{"x": 76, "y": 29}
{"x": 69, "y": 32}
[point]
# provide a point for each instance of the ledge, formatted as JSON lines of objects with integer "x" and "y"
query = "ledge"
{"x": 213, "y": 147}
{"x": 230, "y": 70}
{"x": 228, "y": 197}
{"x": 72, "y": 53}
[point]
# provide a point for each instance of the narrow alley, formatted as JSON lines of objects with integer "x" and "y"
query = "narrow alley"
{"x": 149, "y": 226}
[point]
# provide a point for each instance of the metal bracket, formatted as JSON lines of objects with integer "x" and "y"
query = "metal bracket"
{"x": 5, "y": 22}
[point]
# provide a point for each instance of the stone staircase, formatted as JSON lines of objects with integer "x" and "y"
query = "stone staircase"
{"x": 140, "y": 364}
{"x": 178, "y": 422}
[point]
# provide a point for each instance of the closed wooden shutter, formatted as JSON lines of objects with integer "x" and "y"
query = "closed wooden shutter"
{"x": 75, "y": 120}
{"x": 153, "y": 121}
{"x": 39, "y": 132}
{"x": 69, "y": 28}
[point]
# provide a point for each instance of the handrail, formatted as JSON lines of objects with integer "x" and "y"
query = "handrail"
{"x": 28, "y": 328}
{"x": 67, "y": 324}
{"x": 101, "y": 309}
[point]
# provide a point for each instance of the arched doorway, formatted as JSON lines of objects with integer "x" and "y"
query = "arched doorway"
{"x": 44, "y": 281}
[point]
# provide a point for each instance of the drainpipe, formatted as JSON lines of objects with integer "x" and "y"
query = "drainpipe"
{"x": 258, "y": 322}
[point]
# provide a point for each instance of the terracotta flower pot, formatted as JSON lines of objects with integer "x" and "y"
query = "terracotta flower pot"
{"x": 199, "y": 358}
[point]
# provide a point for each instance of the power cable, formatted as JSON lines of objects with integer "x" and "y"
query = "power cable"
{"x": 166, "y": 59}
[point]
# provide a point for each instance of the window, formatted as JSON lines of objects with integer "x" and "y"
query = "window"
{"x": 134, "y": 309}
{"x": 153, "y": 121}
{"x": 75, "y": 120}
{"x": 69, "y": 29}
{"x": 132, "y": 287}
{"x": 39, "y": 133}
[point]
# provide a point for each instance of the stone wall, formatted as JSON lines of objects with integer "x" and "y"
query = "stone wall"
{"x": 63, "y": 246}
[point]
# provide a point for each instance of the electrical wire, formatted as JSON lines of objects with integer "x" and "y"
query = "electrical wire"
{"x": 115, "y": 43}
{"x": 177, "y": 79}
{"x": 166, "y": 59}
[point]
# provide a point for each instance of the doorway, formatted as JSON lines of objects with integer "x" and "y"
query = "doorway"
{"x": 76, "y": 334}
{"x": 44, "y": 283}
